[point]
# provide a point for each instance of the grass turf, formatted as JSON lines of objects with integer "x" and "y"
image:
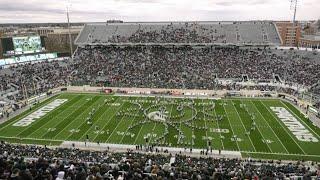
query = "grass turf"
{"x": 188, "y": 123}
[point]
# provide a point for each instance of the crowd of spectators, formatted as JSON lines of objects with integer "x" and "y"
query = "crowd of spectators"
{"x": 187, "y": 33}
{"x": 162, "y": 67}
{"x": 187, "y": 67}
{"x": 34, "y": 162}
{"x": 253, "y": 32}
{"x": 34, "y": 78}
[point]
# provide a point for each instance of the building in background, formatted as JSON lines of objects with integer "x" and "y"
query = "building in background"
{"x": 289, "y": 35}
{"x": 310, "y": 41}
{"x": 311, "y": 35}
{"x": 58, "y": 40}
{"x": 309, "y": 28}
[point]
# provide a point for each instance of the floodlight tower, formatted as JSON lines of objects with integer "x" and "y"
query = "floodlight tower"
{"x": 293, "y": 6}
{"x": 68, "y": 20}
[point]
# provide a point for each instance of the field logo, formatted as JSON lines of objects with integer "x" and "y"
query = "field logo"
{"x": 301, "y": 133}
{"x": 39, "y": 113}
{"x": 158, "y": 116}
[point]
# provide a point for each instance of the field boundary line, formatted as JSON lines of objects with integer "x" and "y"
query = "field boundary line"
{"x": 243, "y": 125}
{"x": 269, "y": 125}
{"x": 26, "y": 138}
{"x": 284, "y": 154}
{"x": 285, "y": 128}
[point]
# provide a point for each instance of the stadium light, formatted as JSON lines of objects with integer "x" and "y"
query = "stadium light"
{"x": 68, "y": 20}
{"x": 293, "y": 6}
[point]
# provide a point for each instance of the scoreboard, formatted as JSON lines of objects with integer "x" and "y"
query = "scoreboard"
{"x": 24, "y": 49}
{"x": 27, "y": 44}
{"x": 22, "y": 45}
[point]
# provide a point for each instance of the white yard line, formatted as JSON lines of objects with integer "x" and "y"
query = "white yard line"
{"x": 155, "y": 125}
{"x": 116, "y": 126}
{"x": 109, "y": 119}
{"x": 138, "y": 134}
{"x": 137, "y": 113}
{"x": 243, "y": 124}
{"x": 171, "y": 114}
{"x": 269, "y": 126}
{"x": 135, "y": 140}
{"x": 217, "y": 121}
{"x": 285, "y": 128}
{"x": 106, "y": 111}
{"x": 224, "y": 109}
{"x": 205, "y": 123}
{"x": 83, "y": 122}
{"x": 260, "y": 132}
{"x": 180, "y": 124}
{"x": 74, "y": 119}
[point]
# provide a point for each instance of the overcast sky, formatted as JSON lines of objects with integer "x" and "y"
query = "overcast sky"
{"x": 23, "y": 11}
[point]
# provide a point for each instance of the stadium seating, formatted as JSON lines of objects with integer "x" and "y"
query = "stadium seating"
{"x": 45, "y": 163}
{"x": 161, "y": 67}
{"x": 181, "y": 32}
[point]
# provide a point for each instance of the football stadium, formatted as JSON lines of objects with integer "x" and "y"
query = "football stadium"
{"x": 161, "y": 100}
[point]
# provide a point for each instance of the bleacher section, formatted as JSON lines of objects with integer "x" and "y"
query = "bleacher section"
{"x": 251, "y": 32}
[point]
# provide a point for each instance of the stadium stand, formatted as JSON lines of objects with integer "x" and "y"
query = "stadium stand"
{"x": 160, "y": 67}
{"x": 192, "y": 68}
{"x": 45, "y": 163}
{"x": 181, "y": 33}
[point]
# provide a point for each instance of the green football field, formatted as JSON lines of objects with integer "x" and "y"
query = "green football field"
{"x": 248, "y": 125}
